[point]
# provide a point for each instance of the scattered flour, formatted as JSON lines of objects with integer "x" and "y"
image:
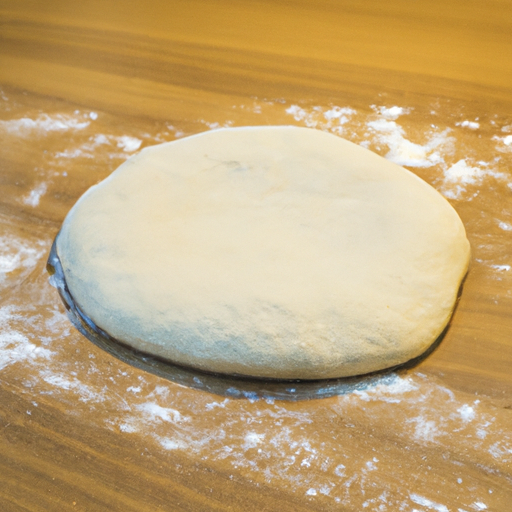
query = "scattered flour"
{"x": 332, "y": 119}
{"x": 128, "y": 144}
{"x": 504, "y": 143}
{"x": 463, "y": 173}
{"x": 505, "y": 226}
{"x": 458, "y": 176}
{"x": 501, "y": 268}
{"x": 405, "y": 152}
{"x": 130, "y": 429}
{"x": 33, "y": 198}
{"x": 340, "y": 115}
{"x": 472, "y": 125}
{"x": 371, "y": 464}
{"x": 501, "y": 449}
{"x": 171, "y": 444}
{"x": 75, "y": 153}
{"x": 177, "y": 132}
{"x": 154, "y": 412}
{"x": 425, "y": 502}
{"x": 18, "y": 255}
{"x": 391, "y": 112}
{"x": 388, "y": 390}
{"x": 84, "y": 392}
{"x": 15, "y": 347}
{"x": 467, "y": 413}
{"x": 215, "y": 125}
{"x": 425, "y": 430}
{"x": 25, "y": 126}
{"x": 89, "y": 148}
{"x": 213, "y": 405}
{"x": 252, "y": 439}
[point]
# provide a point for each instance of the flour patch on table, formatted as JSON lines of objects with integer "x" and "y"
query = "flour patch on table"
{"x": 463, "y": 174}
{"x": 44, "y": 123}
{"x": 391, "y": 113}
{"x": 213, "y": 405}
{"x": 84, "y": 392}
{"x": 379, "y": 129}
{"x": 424, "y": 429}
{"x": 4, "y": 96}
{"x": 215, "y": 125}
{"x": 154, "y": 412}
{"x": 501, "y": 268}
{"x": 425, "y": 502}
{"x": 34, "y": 196}
{"x": 15, "y": 347}
{"x": 504, "y": 143}
{"x": 502, "y": 450}
{"x": 467, "y": 413}
{"x": 472, "y": 125}
{"x": 128, "y": 144}
{"x": 19, "y": 255}
{"x": 387, "y": 390}
{"x": 331, "y": 119}
{"x": 277, "y": 433}
{"x": 479, "y": 505}
{"x": 89, "y": 149}
{"x": 403, "y": 151}
{"x": 171, "y": 444}
{"x": 505, "y": 226}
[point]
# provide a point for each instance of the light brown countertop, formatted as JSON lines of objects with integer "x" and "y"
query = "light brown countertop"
{"x": 85, "y": 85}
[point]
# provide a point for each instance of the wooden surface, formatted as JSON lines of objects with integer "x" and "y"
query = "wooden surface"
{"x": 86, "y": 84}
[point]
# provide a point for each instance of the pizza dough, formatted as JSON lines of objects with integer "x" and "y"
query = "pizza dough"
{"x": 276, "y": 252}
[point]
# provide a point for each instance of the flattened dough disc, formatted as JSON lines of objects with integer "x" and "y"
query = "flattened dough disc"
{"x": 277, "y": 252}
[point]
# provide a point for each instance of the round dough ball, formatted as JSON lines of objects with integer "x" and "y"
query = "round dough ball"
{"x": 276, "y": 252}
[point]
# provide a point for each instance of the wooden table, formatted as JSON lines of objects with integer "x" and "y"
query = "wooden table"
{"x": 84, "y": 85}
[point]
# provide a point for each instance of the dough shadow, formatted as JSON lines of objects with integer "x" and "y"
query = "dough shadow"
{"x": 230, "y": 386}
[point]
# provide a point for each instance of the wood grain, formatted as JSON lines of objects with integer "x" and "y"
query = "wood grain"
{"x": 86, "y": 84}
